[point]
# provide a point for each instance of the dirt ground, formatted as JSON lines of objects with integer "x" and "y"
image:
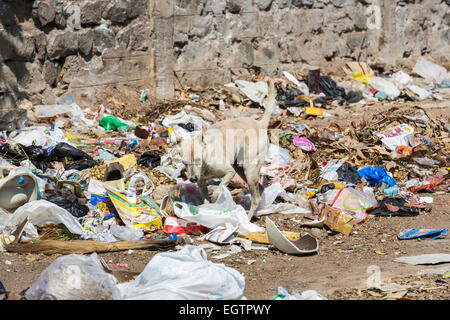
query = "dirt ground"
{"x": 340, "y": 270}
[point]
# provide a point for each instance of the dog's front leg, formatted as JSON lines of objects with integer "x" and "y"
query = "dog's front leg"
{"x": 225, "y": 182}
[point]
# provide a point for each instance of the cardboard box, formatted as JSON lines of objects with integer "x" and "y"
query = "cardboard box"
{"x": 337, "y": 220}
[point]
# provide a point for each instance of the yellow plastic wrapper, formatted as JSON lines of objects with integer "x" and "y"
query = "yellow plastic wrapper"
{"x": 134, "y": 212}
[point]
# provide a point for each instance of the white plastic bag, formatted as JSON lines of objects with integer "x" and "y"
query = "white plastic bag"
{"x": 385, "y": 86}
{"x": 401, "y": 80}
{"x": 430, "y": 70}
{"x": 39, "y": 136}
{"x": 421, "y": 92}
{"x": 125, "y": 233}
{"x": 256, "y": 91}
{"x": 40, "y": 212}
{"x": 185, "y": 275}
{"x": 278, "y": 155}
{"x": 267, "y": 205}
{"x": 213, "y": 215}
{"x": 74, "y": 277}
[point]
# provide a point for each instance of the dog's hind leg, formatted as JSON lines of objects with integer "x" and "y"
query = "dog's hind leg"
{"x": 252, "y": 175}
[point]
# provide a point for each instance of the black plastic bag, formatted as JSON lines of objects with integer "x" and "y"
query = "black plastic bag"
{"x": 330, "y": 88}
{"x": 347, "y": 173}
{"x": 150, "y": 159}
{"x": 327, "y": 187}
{"x": 391, "y": 206}
{"x": 188, "y": 126}
{"x": 354, "y": 96}
{"x": 65, "y": 151}
{"x": 73, "y": 206}
{"x": 81, "y": 165}
{"x": 8, "y": 153}
{"x": 38, "y": 156}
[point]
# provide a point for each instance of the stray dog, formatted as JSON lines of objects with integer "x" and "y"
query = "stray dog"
{"x": 229, "y": 147}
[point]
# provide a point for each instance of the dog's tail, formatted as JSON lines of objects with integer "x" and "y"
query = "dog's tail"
{"x": 270, "y": 104}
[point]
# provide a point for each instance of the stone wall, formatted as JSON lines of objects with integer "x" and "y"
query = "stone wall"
{"x": 45, "y": 51}
{"x": 217, "y": 41}
{"x": 52, "y": 47}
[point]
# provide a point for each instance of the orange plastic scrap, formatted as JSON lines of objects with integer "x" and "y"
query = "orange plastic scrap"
{"x": 404, "y": 150}
{"x": 314, "y": 112}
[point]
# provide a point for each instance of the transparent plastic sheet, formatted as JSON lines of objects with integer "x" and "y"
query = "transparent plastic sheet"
{"x": 267, "y": 205}
{"x": 213, "y": 215}
{"x": 148, "y": 184}
{"x": 75, "y": 277}
{"x": 185, "y": 275}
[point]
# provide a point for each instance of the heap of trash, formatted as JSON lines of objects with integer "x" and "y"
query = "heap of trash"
{"x": 74, "y": 182}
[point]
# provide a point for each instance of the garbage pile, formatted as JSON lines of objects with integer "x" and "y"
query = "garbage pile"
{"x": 74, "y": 184}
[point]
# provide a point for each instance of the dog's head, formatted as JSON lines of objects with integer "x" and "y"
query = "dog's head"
{"x": 190, "y": 152}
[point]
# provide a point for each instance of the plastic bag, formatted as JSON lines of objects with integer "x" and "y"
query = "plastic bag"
{"x": 278, "y": 155}
{"x": 48, "y": 111}
{"x": 74, "y": 277}
{"x": 422, "y": 93}
{"x": 81, "y": 165}
{"x": 213, "y": 215}
{"x": 283, "y": 294}
{"x": 65, "y": 151}
{"x": 39, "y": 136}
{"x": 399, "y": 135}
{"x": 376, "y": 175}
{"x": 430, "y": 70}
{"x": 267, "y": 205}
{"x": 125, "y": 233}
{"x": 304, "y": 144}
{"x": 347, "y": 173}
{"x": 256, "y": 91}
{"x": 185, "y": 275}
{"x": 150, "y": 159}
{"x": 401, "y": 80}
{"x": 75, "y": 208}
{"x": 42, "y": 212}
{"x": 113, "y": 123}
{"x": 383, "y": 85}
{"x": 148, "y": 184}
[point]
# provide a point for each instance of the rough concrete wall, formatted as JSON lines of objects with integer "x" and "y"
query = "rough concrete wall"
{"x": 50, "y": 47}
{"x": 219, "y": 40}
{"x": 159, "y": 44}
